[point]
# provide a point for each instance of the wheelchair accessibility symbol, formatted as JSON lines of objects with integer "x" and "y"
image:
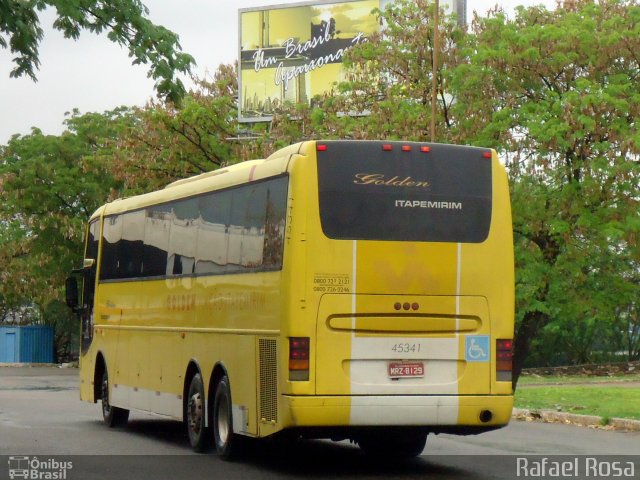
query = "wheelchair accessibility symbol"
{"x": 477, "y": 348}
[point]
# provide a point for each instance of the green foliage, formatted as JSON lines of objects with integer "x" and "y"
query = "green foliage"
{"x": 66, "y": 330}
{"x": 562, "y": 91}
{"x": 124, "y": 20}
{"x": 167, "y": 142}
{"x": 387, "y": 91}
{"x": 50, "y": 186}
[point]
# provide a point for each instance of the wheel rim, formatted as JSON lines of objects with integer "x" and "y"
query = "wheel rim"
{"x": 222, "y": 421}
{"x": 195, "y": 413}
{"x": 106, "y": 407}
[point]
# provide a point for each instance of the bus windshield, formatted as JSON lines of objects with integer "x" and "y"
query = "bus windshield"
{"x": 404, "y": 191}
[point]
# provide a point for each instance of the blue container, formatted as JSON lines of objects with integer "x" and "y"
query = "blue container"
{"x": 9, "y": 344}
{"x": 36, "y": 345}
{"x": 26, "y": 344}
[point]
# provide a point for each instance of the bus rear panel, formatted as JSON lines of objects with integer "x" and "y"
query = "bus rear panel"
{"x": 405, "y": 285}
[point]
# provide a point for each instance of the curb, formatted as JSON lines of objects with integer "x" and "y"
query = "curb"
{"x": 591, "y": 421}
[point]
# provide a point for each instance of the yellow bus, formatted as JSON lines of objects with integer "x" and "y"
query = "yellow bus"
{"x": 357, "y": 290}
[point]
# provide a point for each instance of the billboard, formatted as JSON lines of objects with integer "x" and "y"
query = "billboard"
{"x": 291, "y": 53}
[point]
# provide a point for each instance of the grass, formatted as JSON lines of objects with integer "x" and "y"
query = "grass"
{"x": 527, "y": 380}
{"x": 606, "y": 401}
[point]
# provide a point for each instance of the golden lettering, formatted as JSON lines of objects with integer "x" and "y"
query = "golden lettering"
{"x": 381, "y": 180}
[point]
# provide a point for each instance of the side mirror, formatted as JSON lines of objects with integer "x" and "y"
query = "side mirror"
{"x": 86, "y": 265}
{"x": 71, "y": 285}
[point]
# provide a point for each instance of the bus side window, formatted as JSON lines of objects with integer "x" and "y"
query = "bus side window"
{"x": 236, "y": 229}
{"x": 111, "y": 237}
{"x": 182, "y": 237}
{"x": 156, "y": 240}
{"x": 213, "y": 232}
{"x": 131, "y": 245}
{"x": 253, "y": 226}
{"x": 275, "y": 222}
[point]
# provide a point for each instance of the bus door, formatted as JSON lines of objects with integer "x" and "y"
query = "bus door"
{"x": 89, "y": 286}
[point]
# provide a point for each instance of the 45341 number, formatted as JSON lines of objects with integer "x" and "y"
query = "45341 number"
{"x": 406, "y": 348}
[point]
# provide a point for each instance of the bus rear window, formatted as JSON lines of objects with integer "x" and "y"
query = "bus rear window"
{"x": 367, "y": 192}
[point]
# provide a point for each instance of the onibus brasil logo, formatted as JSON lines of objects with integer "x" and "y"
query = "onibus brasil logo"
{"x": 38, "y": 469}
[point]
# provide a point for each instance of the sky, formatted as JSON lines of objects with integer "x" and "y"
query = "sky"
{"x": 93, "y": 74}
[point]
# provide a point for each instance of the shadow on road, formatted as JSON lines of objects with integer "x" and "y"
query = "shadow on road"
{"x": 167, "y": 431}
{"x": 304, "y": 458}
{"x": 319, "y": 458}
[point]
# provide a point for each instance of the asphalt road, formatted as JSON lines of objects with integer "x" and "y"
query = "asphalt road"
{"x": 41, "y": 416}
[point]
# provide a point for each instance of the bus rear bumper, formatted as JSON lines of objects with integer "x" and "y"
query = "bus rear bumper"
{"x": 397, "y": 410}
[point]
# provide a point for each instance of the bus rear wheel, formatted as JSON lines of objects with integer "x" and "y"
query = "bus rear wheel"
{"x": 196, "y": 415}
{"x": 395, "y": 444}
{"x": 112, "y": 416}
{"x": 223, "y": 436}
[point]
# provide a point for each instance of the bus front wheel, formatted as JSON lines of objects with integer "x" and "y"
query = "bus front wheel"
{"x": 112, "y": 416}
{"x": 223, "y": 435}
{"x": 195, "y": 415}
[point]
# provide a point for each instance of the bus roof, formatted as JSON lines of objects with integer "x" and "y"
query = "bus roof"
{"x": 230, "y": 176}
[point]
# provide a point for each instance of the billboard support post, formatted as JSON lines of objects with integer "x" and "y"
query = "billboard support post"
{"x": 434, "y": 74}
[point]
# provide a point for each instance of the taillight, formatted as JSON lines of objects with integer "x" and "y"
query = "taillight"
{"x": 425, "y": 149}
{"x": 387, "y": 147}
{"x": 487, "y": 155}
{"x": 504, "y": 359}
{"x": 321, "y": 148}
{"x": 406, "y": 148}
{"x": 299, "y": 358}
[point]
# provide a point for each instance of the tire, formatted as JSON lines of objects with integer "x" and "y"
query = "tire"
{"x": 393, "y": 445}
{"x": 223, "y": 436}
{"x": 112, "y": 416}
{"x": 195, "y": 415}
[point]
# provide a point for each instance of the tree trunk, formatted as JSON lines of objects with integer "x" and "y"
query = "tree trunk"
{"x": 530, "y": 326}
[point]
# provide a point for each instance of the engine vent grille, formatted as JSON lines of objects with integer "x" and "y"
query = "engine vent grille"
{"x": 268, "y": 380}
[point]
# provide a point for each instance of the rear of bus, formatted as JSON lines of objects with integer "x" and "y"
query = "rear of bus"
{"x": 401, "y": 311}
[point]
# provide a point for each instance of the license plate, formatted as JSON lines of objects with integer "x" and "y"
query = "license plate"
{"x": 405, "y": 369}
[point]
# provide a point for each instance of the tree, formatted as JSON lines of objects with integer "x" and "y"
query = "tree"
{"x": 66, "y": 330}
{"x": 125, "y": 21}
{"x": 559, "y": 93}
{"x": 400, "y": 58}
{"x": 169, "y": 142}
{"x": 50, "y": 185}
{"x": 389, "y": 83}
